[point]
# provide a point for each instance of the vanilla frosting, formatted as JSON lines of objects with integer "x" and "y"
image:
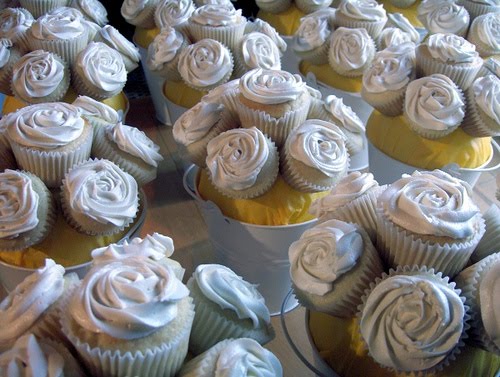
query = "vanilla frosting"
{"x": 61, "y": 23}
{"x": 194, "y": 124}
{"x": 236, "y": 157}
{"x": 30, "y": 299}
{"x": 222, "y": 286}
{"x": 90, "y": 108}
{"x": 443, "y": 16}
{"x": 401, "y": 22}
{"x": 434, "y": 102}
{"x": 121, "y": 44}
{"x": 145, "y": 296}
{"x": 412, "y": 323}
{"x": 217, "y": 15}
{"x": 264, "y": 28}
{"x": 488, "y": 30}
{"x": 259, "y": 51}
{"x": 320, "y": 145}
{"x": 312, "y": 33}
{"x": 351, "y": 49}
{"x": 14, "y": 21}
{"x": 102, "y": 191}
{"x": 450, "y": 48}
{"x": 362, "y": 10}
{"x": 92, "y": 10}
{"x": 46, "y": 125}
{"x": 431, "y": 203}
{"x": 490, "y": 305}
{"x": 131, "y": 9}
{"x": 393, "y": 36}
{"x": 487, "y": 95}
{"x": 164, "y": 48}
{"x": 38, "y": 74}
{"x": 5, "y": 46}
{"x": 343, "y": 114}
{"x": 323, "y": 254}
{"x": 135, "y": 142}
{"x": 492, "y": 65}
{"x": 171, "y": 13}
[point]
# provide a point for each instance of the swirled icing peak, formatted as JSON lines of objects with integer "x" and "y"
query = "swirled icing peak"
{"x": 392, "y": 36}
{"x": 164, "y": 48}
{"x": 365, "y": 10}
{"x": 14, "y": 21}
{"x": 351, "y": 49}
{"x": 93, "y": 10}
{"x": 121, "y": 44}
{"x": 487, "y": 30}
{"x": 61, "y": 23}
{"x": 131, "y": 9}
{"x": 487, "y": 95}
{"x": 170, "y": 13}
{"x": 90, "y": 108}
{"x": 401, "y": 22}
{"x": 343, "y": 115}
{"x": 323, "y": 254}
{"x": 490, "y": 306}
{"x": 217, "y": 15}
{"x": 194, "y": 124}
{"x": 222, "y": 286}
{"x": 312, "y": 33}
{"x": 450, "y": 48}
{"x": 259, "y": 51}
{"x": 264, "y": 28}
{"x": 443, "y": 16}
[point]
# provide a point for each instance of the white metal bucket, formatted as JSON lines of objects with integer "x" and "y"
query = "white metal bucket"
{"x": 258, "y": 253}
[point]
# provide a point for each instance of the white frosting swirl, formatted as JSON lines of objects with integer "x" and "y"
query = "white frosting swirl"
{"x": 411, "y": 323}
{"x": 351, "y": 49}
{"x": 343, "y": 114}
{"x": 490, "y": 305}
{"x": 443, "y": 17}
{"x": 323, "y": 254}
{"x": 171, "y": 13}
{"x": 90, "y": 108}
{"x": 5, "y": 46}
{"x": 121, "y": 44}
{"x": 364, "y": 10}
{"x": 61, "y": 23}
{"x": 431, "y": 203}
{"x": 259, "y": 51}
{"x": 93, "y": 10}
{"x": 127, "y": 299}
{"x": 451, "y": 48}
{"x": 320, "y": 145}
{"x": 195, "y": 123}
{"x": 14, "y": 21}
{"x": 492, "y": 64}
{"x": 401, "y": 22}
{"x": 164, "y": 48}
{"x": 264, "y": 28}
{"x": 217, "y": 15}
{"x": 135, "y": 142}
{"x": 46, "y": 125}
{"x": 236, "y": 157}
{"x": 393, "y": 36}
{"x": 29, "y": 300}
{"x": 102, "y": 191}
{"x": 312, "y": 33}
{"x": 222, "y": 286}
{"x": 488, "y": 30}
{"x": 131, "y": 9}
{"x": 434, "y": 102}
{"x": 487, "y": 95}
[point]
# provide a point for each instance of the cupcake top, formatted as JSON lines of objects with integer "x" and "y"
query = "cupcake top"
{"x": 93, "y": 10}
{"x": 443, "y": 17}
{"x": 5, "y": 46}
{"x": 29, "y": 300}
{"x": 46, "y": 125}
{"x": 121, "y": 44}
{"x": 451, "y": 48}
{"x": 434, "y": 102}
{"x": 313, "y": 32}
{"x": 222, "y": 286}
{"x": 146, "y": 295}
{"x": 99, "y": 189}
{"x": 259, "y": 51}
{"x": 351, "y": 49}
{"x": 362, "y": 10}
{"x": 133, "y": 141}
{"x": 486, "y": 28}
{"x": 264, "y": 28}
{"x": 343, "y": 115}
{"x": 392, "y": 36}
{"x": 60, "y": 23}
{"x": 90, "y": 108}
{"x": 490, "y": 308}
{"x": 486, "y": 94}
{"x": 431, "y": 203}
{"x": 491, "y": 66}
{"x": 217, "y": 15}
{"x": 14, "y": 21}
{"x": 171, "y": 13}
{"x": 131, "y": 9}
{"x": 236, "y": 157}
{"x": 401, "y": 22}
{"x": 164, "y": 48}
{"x": 319, "y": 145}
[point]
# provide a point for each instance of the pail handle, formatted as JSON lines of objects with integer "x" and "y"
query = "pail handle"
{"x": 492, "y": 165}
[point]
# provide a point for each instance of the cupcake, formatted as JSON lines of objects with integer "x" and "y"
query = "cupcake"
{"x": 399, "y": 21}
{"x": 392, "y": 36}
{"x": 264, "y": 28}
{"x": 484, "y": 34}
{"x": 98, "y": 114}
{"x": 444, "y": 17}
{"x": 40, "y": 76}
{"x": 173, "y": 13}
{"x": 39, "y": 8}
{"x": 8, "y": 58}
{"x": 48, "y": 139}
{"x": 112, "y": 37}
{"x": 314, "y": 157}
{"x": 243, "y": 355}
{"x": 429, "y": 219}
{"x": 130, "y": 149}
{"x": 273, "y": 6}
{"x": 14, "y": 25}
{"x": 226, "y": 307}
{"x": 491, "y": 239}
{"x": 434, "y": 106}
{"x": 139, "y": 13}
{"x": 164, "y": 52}
{"x": 331, "y": 265}
{"x": 143, "y": 331}
{"x": 256, "y": 50}
{"x": 310, "y": 6}
{"x": 479, "y": 7}
{"x": 311, "y": 41}
{"x": 362, "y": 14}
{"x": 92, "y": 10}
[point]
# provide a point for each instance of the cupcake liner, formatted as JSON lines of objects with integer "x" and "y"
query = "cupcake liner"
{"x": 476, "y": 123}
{"x": 315, "y": 109}
{"x": 146, "y": 18}
{"x": 229, "y": 36}
{"x": 170, "y": 71}
{"x": 6, "y": 72}
{"x": 491, "y": 238}
{"x": 274, "y": 7}
{"x": 389, "y": 103}
{"x": 230, "y": 99}
{"x": 83, "y": 87}
{"x": 130, "y": 64}
{"x": 38, "y": 8}
{"x": 374, "y": 28}
{"x": 428, "y": 133}
{"x": 21, "y": 41}
{"x": 307, "y": 6}
{"x": 477, "y": 9}
{"x": 67, "y": 49}
{"x": 317, "y": 56}
{"x": 71, "y": 366}
{"x": 483, "y": 49}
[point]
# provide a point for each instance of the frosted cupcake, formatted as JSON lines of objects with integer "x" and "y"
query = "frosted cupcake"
{"x": 97, "y": 113}
{"x": 92, "y": 10}
{"x": 491, "y": 239}
{"x": 226, "y": 94}
{"x": 479, "y": 7}
{"x": 242, "y": 163}
{"x": 48, "y": 139}
{"x": 491, "y": 66}
{"x": 314, "y": 157}
{"x": 256, "y": 50}
{"x": 8, "y": 57}
{"x": 311, "y": 41}
{"x": 40, "y": 76}
{"x": 173, "y": 13}
{"x": 39, "y": 8}
{"x": 434, "y": 106}
{"x": 139, "y": 12}
{"x": 164, "y": 52}
{"x": 399, "y": 21}
{"x": 14, "y": 25}
{"x": 331, "y": 265}
{"x": 429, "y": 219}
{"x": 363, "y": 14}
{"x": 392, "y": 36}
{"x": 99, "y": 198}
{"x": 264, "y": 28}
{"x": 130, "y": 149}
{"x": 114, "y": 39}
{"x": 444, "y": 17}
{"x": 226, "y": 307}
{"x": 484, "y": 34}
{"x": 242, "y": 355}
{"x": 143, "y": 330}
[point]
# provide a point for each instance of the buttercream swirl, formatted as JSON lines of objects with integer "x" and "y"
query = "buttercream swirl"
{"x": 271, "y": 86}
{"x": 320, "y": 145}
{"x": 205, "y": 63}
{"x": 259, "y": 51}
{"x": 264, "y": 28}
{"x": 488, "y": 30}
{"x": 127, "y": 299}
{"x": 312, "y": 33}
{"x": 401, "y": 22}
{"x": 365, "y": 10}
{"x": 14, "y": 21}
{"x": 29, "y": 300}
{"x": 194, "y": 124}
{"x": 93, "y": 10}
{"x": 171, "y": 13}
{"x": 351, "y": 49}
{"x": 411, "y": 323}
{"x": 46, "y": 125}
{"x": 38, "y": 74}
{"x": 434, "y": 102}
{"x": 343, "y": 114}
{"x": 490, "y": 305}
{"x": 222, "y": 286}
{"x": 217, "y": 15}
{"x": 492, "y": 65}
{"x": 61, "y": 23}
{"x": 102, "y": 191}
{"x": 121, "y": 44}
{"x": 393, "y": 36}
{"x": 5, "y": 46}
{"x": 130, "y": 9}
{"x": 443, "y": 17}
{"x": 89, "y": 107}
{"x": 450, "y": 48}
{"x": 164, "y": 48}
{"x": 323, "y": 254}
{"x": 236, "y": 157}
{"x": 487, "y": 95}
{"x": 135, "y": 142}
{"x": 431, "y": 203}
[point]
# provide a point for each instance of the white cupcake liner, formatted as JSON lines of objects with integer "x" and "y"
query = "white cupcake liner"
{"x": 68, "y": 49}
{"x": 274, "y": 7}
{"x": 6, "y": 72}
{"x": 83, "y": 87}
{"x": 389, "y": 103}
{"x": 490, "y": 241}
{"x": 315, "y": 109}
{"x": 146, "y": 18}
{"x": 317, "y": 56}
{"x": 373, "y": 28}
{"x": 476, "y": 122}
{"x": 21, "y": 41}
{"x": 38, "y": 8}
{"x": 476, "y": 9}
{"x": 230, "y": 99}
{"x": 72, "y": 367}
{"x": 428, "y": 133}
{"x": 229, "y": 36}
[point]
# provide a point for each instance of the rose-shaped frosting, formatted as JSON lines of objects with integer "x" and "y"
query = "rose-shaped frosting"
{"x": 164, "y": 48}
{"x": 343, "y": 114}
{"x": 490, "y": 305}
{"x": 364, "y": 10}
{"x": 205, "y": 63}
{"x": 488, "y": 30}
{"x": 351, "y": 49}
{"x": 393, "y": 36}
{"x": 264, "y": 28}
{"x": 37, "y": 74}
{"x": 450, "y": 48}
{"x": 222, "y": 286}
{"x": 194, "y": 124}
{"x": 271, "y": 86}
{"x": 217, "y": 15}
{"x": 236, "y": 157}
{"x": 127, "y": 299}
{"x": 14, "y": 21}
{"x": 29, "y": 300}
{"x": 102, "y": 191}
{"x": 5, "y": 46}
{"x": 46, "y": 125}
{"x": 411, "y": 323}
{"x": 89, "y": 107}
{"x": 323, "y": 254}
{"x": 130, "y": 9}
{"x": 312, "y": 33}
{"x": 61, "y": 23}
{"x": 259, "y": 51}
{"x": 434, "y": 102}
{"x": 487, "y": 95}
{"x": 117, "y": 41}
{"x": 401, "y": 22}
{"x": 492, "y": 65}
{"x": 93, "y": 10}
{"x": 103, "y": 66}
{"x": 431, "y": 203}
{"x": 170, "y": 13}
{"x": 28, "y": 358}
{"x": 320, "y": 145}
{"x": 443, "y": 16}
{"x": 135, "y": 142}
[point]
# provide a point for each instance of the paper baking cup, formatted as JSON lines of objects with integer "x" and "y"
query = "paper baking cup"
{"x": 490, "y": 241}
{"x": 83, "y": 87}
{"x": 39, "y": 7}
{"x": 68, "y": 49}
{"x": 146, "y": 18}
{"x": 476, "y": 122}
{"x": 477, "y": 9}
{"x": 317, "y": 56}
{"x": 374, "y": 28}
{"x": 229, "y": 36}
{"x": 389, "y": 103}
{"x": 6, "y": 72}
{"x": 426, "y": 132}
